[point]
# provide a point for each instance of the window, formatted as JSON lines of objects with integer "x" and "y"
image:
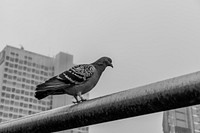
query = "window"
{"x": 7, "y": 57}
{"x": 21, "y": 104}
{"x": 43, "y": 108}
{"x": 5, "y": 115}
{"x": 46, "y": 68}
{"x": 6, "y": 69}
{"x": 11, "y": 59}
{"x": 36, "y": 77}
{"x": 6, "y": 101}
{"x": 14, "y": 83}
{"x": 8, "y": 89}
{"x": 37, "y": 65}
{"x": 30, "y": 105}
{"x": 17, "y": 91}
{"x": 25, "y": 105}
{"x": 22, "y": 91}
{"x": 2, "y": 100}
{"x": 25, "y": 62}
{"x": 37, "y": 71}
{"x": 24, "y": 74}
{"x": 6, "y": 63}
{"x": 3, "y": 94}
{"x": 13, "y": 89}
{"x": 5, "y": 75}
{"x": 12, "y": 96}
{"x": 29, "y": 63}
{"x": 23, "y": 85}
{"x": 17, "y": 97}
{"x": 10, "y": 71}
{"x": 15, "y": 110}
{"x": 29, "y": 58}
{"x": 14, "y": 116}
{"x": 20, "y": 110}
{"x": 32, "y": 82}
{"x": 45, "y": 73}
{"x": 28, "y": 69}
{"x": 12, "y": 102}
{"x": 16, "y": 103}
{"x": 3, "y": 88}
{"x": 9, "y": 77}
{"x": 4, "y": 81}
{"x": 11, "y": 108}
{"x": 31, "y": 93}
{"x": 12, "y": 53}
{"x": 43, "y": 102}
{"x": 27, "y": 87}
{"x": 21, "y": 61}
{"x": 14, "y": 77}
{"x": 31, "y": 100}
{"x": 19, "y": 79}
{"x": 39, "y": 108}
{"x": 8, "y": 95}
{"x": 11, "y": 65}
{"x": 19, "y": 73}
{"x": 24, "y": 68}
{"x": 16, "y": 60}
{"x": 20, "y": 67}
{"x": 26, "y": 93}
{"x": 26, "y": 99}
{"x": 35, "y": 101}
{"x": 27, "y": 81}
{"x": 34, "y": 107}
{"x": 1, "y": 106}
{"x": 29, "y": 112}
{"x": 32, "y": 88}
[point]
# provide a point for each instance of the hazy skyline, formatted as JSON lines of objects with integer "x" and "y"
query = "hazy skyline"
{"x": 148, "y": 41}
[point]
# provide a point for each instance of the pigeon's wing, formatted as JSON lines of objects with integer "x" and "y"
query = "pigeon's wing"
{"x": 76, "y": 75}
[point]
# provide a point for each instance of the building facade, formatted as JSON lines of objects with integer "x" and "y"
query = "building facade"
{"x": 183, "y": 120}
{"x": 20, "y": 72}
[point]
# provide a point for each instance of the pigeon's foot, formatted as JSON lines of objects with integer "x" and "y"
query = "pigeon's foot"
{"x": 76, "y": 102}
{"x": 82, "y": 100}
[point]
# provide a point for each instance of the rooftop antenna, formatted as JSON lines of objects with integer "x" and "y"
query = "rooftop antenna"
{"x": 21, "y": 47}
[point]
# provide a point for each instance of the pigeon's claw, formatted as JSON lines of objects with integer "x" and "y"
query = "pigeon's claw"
{"x": 76, "y": 102}
{"x": 82, "y": 100}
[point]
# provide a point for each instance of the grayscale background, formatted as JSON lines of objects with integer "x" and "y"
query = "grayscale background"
{"x": 148, "y": 41}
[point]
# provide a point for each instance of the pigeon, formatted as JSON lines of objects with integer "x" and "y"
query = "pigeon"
{"x": 76, "y": 81}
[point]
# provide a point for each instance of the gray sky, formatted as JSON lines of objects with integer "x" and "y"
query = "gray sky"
{"x": 147, "y": 40}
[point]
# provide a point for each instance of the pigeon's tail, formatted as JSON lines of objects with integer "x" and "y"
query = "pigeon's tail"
{"x": 41, "y": 94}
{"x": 50, "y": 87}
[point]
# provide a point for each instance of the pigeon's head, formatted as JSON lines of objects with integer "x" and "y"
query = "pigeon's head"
{"x": 104, "y": 61}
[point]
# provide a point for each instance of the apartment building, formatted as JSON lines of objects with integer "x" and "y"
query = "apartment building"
{"x": 20, "y": 72}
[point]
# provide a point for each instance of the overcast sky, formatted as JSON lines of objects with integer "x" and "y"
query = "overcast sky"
{"x": 148, "y": 41}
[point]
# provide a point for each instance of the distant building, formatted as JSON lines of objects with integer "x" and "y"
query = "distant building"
{"x": 184, "y": 120}
{"x": 20, "y": 72}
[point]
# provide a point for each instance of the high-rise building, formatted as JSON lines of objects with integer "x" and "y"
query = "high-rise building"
{"x": 183, "y": 120}
{"x": 20, "y": 72}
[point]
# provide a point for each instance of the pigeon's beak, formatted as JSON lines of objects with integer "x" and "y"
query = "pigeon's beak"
{"x": 110, "y": 65}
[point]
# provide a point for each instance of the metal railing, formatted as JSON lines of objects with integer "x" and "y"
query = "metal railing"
{"x": 160, "y": 96}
